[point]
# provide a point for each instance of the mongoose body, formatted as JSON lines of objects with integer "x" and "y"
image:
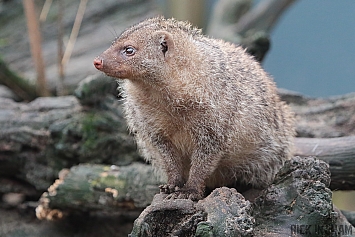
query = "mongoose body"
{"x": 203, "y": 111}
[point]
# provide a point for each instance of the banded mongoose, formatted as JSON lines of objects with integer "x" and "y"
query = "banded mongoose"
{"x": 203, "y": 111}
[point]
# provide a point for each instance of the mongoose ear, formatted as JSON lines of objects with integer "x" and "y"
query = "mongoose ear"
{"x": 166, "y": 43}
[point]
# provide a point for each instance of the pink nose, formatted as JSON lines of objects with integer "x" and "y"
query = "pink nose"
{"x": 98, "y": 63}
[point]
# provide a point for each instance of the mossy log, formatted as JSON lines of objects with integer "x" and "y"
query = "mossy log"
{"x": 99, "y": 188}
{"x": 40, "y": 138}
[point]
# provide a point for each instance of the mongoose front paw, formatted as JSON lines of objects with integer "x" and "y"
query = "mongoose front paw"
{"x": 168, "y": 188}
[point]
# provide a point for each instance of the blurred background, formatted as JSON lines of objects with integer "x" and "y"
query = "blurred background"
{"x": 312, "y": 45}
{"x": 312, "y": 48}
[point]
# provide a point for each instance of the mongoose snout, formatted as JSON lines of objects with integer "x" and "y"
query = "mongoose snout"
{"x": 98, "y": 63}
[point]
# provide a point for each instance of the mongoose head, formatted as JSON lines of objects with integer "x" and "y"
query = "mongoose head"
{"x": 137, "y": 55}
{"x": 146, "y": 51}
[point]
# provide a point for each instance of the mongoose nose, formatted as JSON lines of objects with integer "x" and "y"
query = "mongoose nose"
{"x": 98, "y": 63}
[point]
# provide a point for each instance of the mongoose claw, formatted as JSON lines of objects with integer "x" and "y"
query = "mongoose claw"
{"x": 168, "y": 188}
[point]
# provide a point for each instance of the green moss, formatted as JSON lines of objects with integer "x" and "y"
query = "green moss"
{"x": 80, "y": 179}
{"x": 4, "y": 42}
{"x": 204, "y": 229}
{"x": 89, "y": 129}
{"x": 95, "y": 128}
{"x": 96, "y": 136}
{"x": 108, "y": 181}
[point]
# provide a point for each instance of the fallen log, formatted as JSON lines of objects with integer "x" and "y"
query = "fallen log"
{"x": 99, "y": 188}
{"x": 40, "y": 138}
{"x": 339, "y": 153}
{"x": 322, "y": 117}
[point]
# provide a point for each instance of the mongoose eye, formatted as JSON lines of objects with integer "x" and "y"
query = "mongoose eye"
{"x": 129, "y": 51}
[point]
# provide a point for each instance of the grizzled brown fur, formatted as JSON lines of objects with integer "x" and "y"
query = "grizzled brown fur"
{"x": 203, "y": 111}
